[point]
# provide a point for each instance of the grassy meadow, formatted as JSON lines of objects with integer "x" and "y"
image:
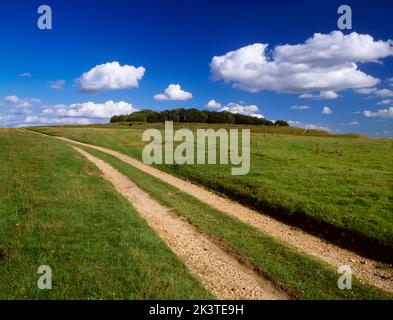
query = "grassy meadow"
{"x": 301, "y": 276}
{"x": 56, "y": 210}
{"x": 337, "y": 187}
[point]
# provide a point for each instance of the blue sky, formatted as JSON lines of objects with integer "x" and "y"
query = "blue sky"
{"x": 47, "y": 76}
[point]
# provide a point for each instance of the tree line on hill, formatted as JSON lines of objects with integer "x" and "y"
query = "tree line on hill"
{"x": 195, "y": 116}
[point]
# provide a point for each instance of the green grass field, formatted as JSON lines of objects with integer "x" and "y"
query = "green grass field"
{"x": 338, "y": 187}
{"x": 56, "y": 210}
{"x": 301, "y": 276}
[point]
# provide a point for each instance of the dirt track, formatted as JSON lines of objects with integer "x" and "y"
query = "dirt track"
{"x": 219, "y": 272}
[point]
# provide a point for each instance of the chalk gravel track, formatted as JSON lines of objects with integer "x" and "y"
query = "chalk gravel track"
{"x": 222, "y": 274}
{"x": 365, "y": 270}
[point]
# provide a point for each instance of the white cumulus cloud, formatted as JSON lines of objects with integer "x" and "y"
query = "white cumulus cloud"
{"x": 57, "y": 85}
{"x": 324, "y": 63}
{"x": 323, "y": 95}
{"x": 213, "y": 104}
{"x": 385, "y": 102}
{"x": 91, "y": 109}
{"x": 55, "y": 121}
{"x": 7, "y": 117}
{"x": 294, "y": 123}
{"x": 383, "y": 113}
{"x": 316, "y": 127}
{"x": 376, "y": 92}
{"x": 250, "y": 110}
{"x": 173, "y": 92}
{"x": 15, "y": 101}
{"x": 18, "y": 105}
{"x": 384, "y": 93}
{"x": 111, "y": 76}
{"x": 327, "y": 110}
{"x": 366, "y": 90}
{"x": 308, "y": 126}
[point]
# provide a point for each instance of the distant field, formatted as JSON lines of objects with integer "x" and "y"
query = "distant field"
{"x": 56, "y": 210}
{"x": 340, "y": 187}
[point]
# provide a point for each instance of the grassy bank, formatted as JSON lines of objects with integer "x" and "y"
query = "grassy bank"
{"x": 303, "y": 277}
{"x": 339, "y": 188}
{"x": 56, "y": 210}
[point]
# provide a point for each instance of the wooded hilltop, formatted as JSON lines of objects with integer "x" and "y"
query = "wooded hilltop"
{"x": 195, "y": 116}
